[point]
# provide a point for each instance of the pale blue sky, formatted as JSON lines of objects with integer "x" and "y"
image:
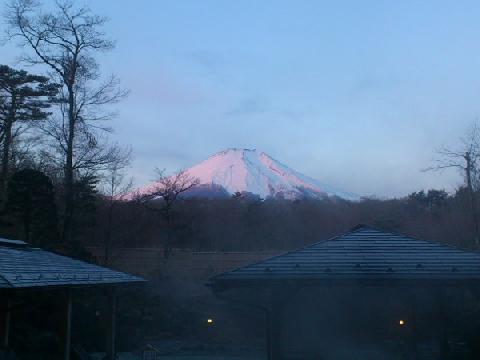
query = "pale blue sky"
{"x": 355, "y": 93}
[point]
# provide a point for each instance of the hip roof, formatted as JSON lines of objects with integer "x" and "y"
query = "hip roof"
{"x": 363, "y": 253}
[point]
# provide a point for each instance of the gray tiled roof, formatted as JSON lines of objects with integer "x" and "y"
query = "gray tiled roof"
{"x": 24, "y": 267}
{"x": 364, "y": 253}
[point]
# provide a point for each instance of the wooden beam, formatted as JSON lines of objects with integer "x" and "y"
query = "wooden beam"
{"x": 5, "y": 319}
{"x": 441, "y": 299}
{"x": 112, "y": 323}
{"x": 412, "y": 336}
{"x": 278, "y": 298}
{"x": 275, "y": 332}
{"x": 268, "y": 335}
{"x": 68, "y": 328}
{"x": 8, "y": 315}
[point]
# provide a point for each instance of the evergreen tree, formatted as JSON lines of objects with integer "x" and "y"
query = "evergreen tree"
{"x": 84, "y": 215}
{"x": 24, "y": 98}
{"x": 31, "y": 204}
{"x": 85, "y": 190}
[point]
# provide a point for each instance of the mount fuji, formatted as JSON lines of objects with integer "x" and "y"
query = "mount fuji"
{"x": 253, "y": 172}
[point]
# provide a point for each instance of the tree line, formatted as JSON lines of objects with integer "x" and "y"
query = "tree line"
{"x": 249, "y": 224}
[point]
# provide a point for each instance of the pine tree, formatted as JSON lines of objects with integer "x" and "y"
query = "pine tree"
{"x": 85, "y": 202}
{"x": 31, "y": 204}
{"x": 24, "y": 98}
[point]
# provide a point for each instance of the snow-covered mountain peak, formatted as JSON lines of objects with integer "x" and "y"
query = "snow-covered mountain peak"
{"x": 255, "y": 172}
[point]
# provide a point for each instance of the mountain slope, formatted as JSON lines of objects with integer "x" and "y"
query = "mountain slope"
{"x": 252, "y": 171}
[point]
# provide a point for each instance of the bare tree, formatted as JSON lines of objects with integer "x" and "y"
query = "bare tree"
{"x": 116, "y": 188}
{"x": 167, "y": 190}
{"x": 465, "y": 159}
{"x": 66, "y": 41}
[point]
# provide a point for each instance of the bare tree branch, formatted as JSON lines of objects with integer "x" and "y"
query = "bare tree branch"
{"x": 466, "y": 159}
{"x": 162, "y": 196}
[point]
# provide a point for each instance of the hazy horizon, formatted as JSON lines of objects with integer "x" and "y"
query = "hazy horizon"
{"x": 357, "y": 98}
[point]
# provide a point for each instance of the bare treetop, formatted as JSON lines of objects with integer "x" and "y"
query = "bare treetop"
{"x": 66, "y": 41}
{"x": 169, "y": 188}
{"x": 465, "y": 158}
{"x": 60, "y": 38}
{"x": 456, "y": 158}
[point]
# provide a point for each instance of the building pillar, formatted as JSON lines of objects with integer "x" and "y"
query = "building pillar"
{"x": 8, "y": 317}
{"x": 278, "y": 299}
{"x": 268, "y": 334}
{"x": 111, "y": 325}
{"x": 68, "y": 325}
{"x": 275, "y": 333}
{"x": 441, "y": 304}
{"x": 412, "y": 333}
{"x": 5, "y": 320}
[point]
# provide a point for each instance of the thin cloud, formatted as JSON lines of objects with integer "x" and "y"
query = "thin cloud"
{"x": 250, "y": 106}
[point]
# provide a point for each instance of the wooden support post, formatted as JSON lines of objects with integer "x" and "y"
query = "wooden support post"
{"x": 68, "y": 328}
{"x": 112, "y": 320}
{"x": 268, "y": 335}
{"x": 8, "y": 315}
{"x": 277, "y": 301}
{"x": 412, "y": 336}
{"x": 443, "y": 327}
{"x": 5, "y": 319}
{"x": 275, "y": 333}
{"x": 279, "y": 297}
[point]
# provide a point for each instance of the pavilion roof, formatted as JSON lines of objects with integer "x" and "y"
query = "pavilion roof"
{"x": 363, "y": 254}
{"x": 22, "y": 266}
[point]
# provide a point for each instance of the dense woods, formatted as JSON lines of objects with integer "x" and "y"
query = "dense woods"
{"x": 247, "y": 224}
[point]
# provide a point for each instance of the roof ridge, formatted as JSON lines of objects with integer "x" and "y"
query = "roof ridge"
{"x": 359, "y": 227}
{"x": 413, "y": 237}
{"x": 276, "y": 256}
{"x": 351, "y": 230}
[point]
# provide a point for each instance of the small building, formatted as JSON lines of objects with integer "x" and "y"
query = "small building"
{"x": 363, "y": 294}
{"x": 25, "y": 269}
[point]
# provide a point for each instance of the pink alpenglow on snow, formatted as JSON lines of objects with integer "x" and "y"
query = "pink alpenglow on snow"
{"x": 250, "y": 171}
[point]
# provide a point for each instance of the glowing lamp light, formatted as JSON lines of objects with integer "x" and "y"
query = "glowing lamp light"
{"x": 209, "y": 321}
{"x": 401, "y": 322}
